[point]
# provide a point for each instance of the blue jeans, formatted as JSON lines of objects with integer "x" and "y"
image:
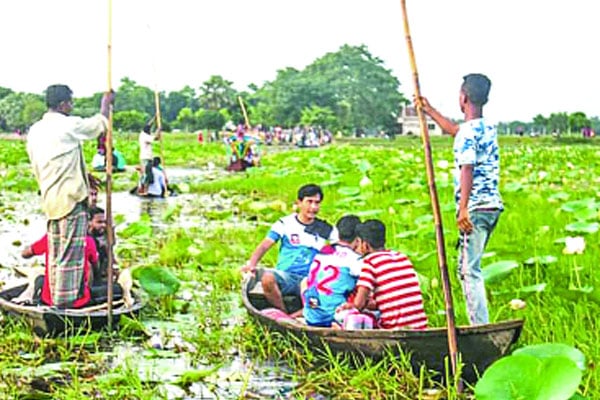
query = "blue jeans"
{"x": 289, "y": 284}
{"x": 469, "y": 263}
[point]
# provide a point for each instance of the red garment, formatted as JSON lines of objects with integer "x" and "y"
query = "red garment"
{"x": 391, "y": 278}
{"x": 91, "y": 256}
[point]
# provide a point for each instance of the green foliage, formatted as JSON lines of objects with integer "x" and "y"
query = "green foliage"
{"x": 551, "y": 371}
{"x": 130, "y": 120}
{"x": 157, "y": 281}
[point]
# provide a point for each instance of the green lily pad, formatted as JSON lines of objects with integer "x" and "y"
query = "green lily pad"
{"x": 577, "y": 205}
{"x": 498, "y": 270}
{"x": 349, "y": 191}
{"x": 524, "y": 376}
{"x": 541, "y": 260}
{"x": 547, "y": 350}
{"x": 156, "y": 281}
{"x": 583, "y": 227}
{"x": 513, "y": 187}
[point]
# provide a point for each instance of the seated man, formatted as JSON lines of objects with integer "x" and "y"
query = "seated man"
{"x": 332, "y": 276}
{"x": 40, "y": 247}
{"x": 97, "y": 231}
{"x": 390, "y": 277}
{"x": 302, "y": 235}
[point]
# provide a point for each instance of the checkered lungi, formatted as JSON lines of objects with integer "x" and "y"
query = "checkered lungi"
{"x": 66, "y": 256}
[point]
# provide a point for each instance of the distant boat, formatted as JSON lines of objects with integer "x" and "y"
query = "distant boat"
{"x": 479, "y": 345}
{"x": 52, "y": 321}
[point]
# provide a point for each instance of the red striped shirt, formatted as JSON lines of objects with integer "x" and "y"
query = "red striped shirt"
{"x": 391, "y": 278}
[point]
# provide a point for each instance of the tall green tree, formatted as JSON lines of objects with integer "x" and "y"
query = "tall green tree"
{"x": 21, "y": 110}
{"x": 577, "y": 121}
{"x": 558, "y": 122}
{"x": 177, "y": 100}
{"x": 131, "y": 96}
{"x": 217, "y": 93}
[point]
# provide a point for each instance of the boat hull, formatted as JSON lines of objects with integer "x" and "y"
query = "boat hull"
{"x": 479, "y": 345}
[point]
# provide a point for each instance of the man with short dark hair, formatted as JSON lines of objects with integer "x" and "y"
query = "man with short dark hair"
{"x": 301, "y": 235}
{"x": 476, "y": 182}
{"x": 55, "y": 151}
{"x": 97, "y": 230}
{"x": 332, "y": 275}
{"x": 391, "y": 279}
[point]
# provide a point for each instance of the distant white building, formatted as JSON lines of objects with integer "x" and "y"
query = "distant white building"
{"x": 409, "y": 123}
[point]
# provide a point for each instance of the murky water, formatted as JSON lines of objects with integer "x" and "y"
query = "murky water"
{"x": 22, "y": 223}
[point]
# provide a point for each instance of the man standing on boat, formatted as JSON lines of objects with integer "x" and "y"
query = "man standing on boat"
{"x": 301, "y": 235}
{"x": 145, "y": 140}
{"x": 476, "y": 179}
{"x": 390, "y": 278}
{"x": 55, "y": 151}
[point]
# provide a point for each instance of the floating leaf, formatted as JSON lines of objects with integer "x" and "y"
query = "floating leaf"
{"x": 513, "y": 187}
{"x": 364, "y": 166}
{"x": 368, "y": 213}
{"x": 349, "y": 191}
{"x": 583, "y": 227}
{"x": 497, "y": 270}
{"x": 585, "y": 214}
{"x": 424, "y": 219}
{"x": 533, "y": 288}
{"x": 541, "y": 260}
{"x": 404, "y": 201}
{"x": 560, "y": 196}
{"x": 577, "y": 205}
{"x": 156, "y": 281}
{"x": 524, "y": 376}
{"x": 331, "y": 182}
{"x": 407, "y": 234}
{"x": 547, "y": 350}
{"x": 488, "y": 254}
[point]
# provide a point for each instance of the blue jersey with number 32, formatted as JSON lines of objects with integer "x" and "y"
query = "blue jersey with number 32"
{"x": 332, "y": 277}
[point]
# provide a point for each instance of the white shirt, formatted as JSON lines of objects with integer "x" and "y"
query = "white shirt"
{"x": 156, "y": 188}
{"x": 145, "y": 140}
{"x": 54, "y": 149}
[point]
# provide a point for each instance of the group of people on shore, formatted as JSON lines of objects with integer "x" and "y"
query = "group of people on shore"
{"x": 347, "y": 270}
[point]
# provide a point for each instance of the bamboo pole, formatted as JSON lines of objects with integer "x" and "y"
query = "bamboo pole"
{"x": 159, "y": 128}
{"x": 247, "y": 121}
{"x": 109, "y": 157}
{"x": 439, "y": 231}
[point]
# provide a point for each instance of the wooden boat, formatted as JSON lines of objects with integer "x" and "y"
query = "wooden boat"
{"x": 51, "y": 321}
{"x": 479, "y": 345}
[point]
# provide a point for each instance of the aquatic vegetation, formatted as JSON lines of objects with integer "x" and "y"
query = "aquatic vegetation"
{"x": 202, "y": 236}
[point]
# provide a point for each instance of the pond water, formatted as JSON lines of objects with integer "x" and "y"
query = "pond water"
{"x": 22, "y": 223}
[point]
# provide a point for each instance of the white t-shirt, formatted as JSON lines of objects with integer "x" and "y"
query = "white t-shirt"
{"x": 145, "y": 140}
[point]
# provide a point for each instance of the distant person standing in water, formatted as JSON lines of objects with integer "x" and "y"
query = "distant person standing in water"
{"x": 146, "y": 138}
{"x": 476, "y": 179}
{"x": 55, "y": 151}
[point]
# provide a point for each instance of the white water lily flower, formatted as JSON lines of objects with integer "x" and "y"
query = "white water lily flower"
{"x": 574, "y": 245}
{"x": 434, "y": 283}
{"x": 542, "y": 175}
{"x": 391, "y": 211}
{"x": 570, "y": 165}
{"x": 442, "y": 164}
{"x": 517, "y": 304}
{"x": 529, "y": 166}
{"x": 365, "y": 181}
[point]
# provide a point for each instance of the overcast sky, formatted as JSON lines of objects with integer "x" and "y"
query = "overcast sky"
{"x": 540, "y": 55}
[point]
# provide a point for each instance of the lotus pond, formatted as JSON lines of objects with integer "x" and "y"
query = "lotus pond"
{"x": 193, "y": 340}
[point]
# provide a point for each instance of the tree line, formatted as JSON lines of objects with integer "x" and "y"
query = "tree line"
{"x": 348, "y": 90}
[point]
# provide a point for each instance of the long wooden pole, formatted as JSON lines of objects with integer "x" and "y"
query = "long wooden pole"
{"x": 159, "y": 128}
{"x": 247, "y": 121}
{"x": 439, "y": 231}
{"x": 109, "y": 157}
